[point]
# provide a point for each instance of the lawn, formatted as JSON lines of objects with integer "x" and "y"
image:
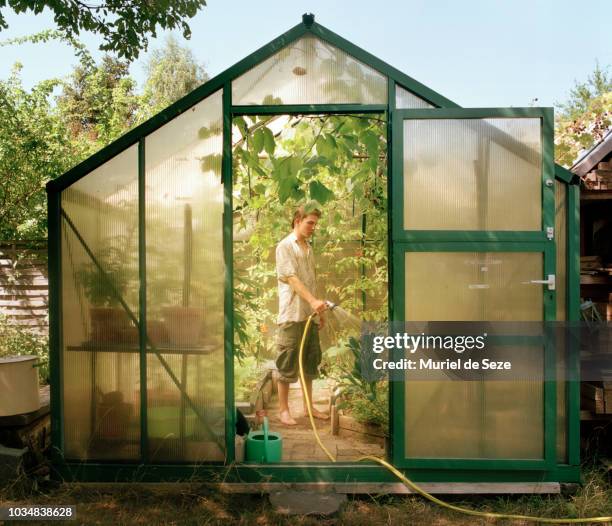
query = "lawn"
{"x": 191, "y": 504}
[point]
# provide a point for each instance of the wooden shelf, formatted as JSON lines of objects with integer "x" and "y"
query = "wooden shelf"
{"x": 132, "y": 348}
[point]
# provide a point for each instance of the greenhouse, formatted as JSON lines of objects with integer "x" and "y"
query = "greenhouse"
{"x": 163, "y": 294}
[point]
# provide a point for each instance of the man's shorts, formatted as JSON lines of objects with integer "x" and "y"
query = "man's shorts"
{"x": 288, "y": 340}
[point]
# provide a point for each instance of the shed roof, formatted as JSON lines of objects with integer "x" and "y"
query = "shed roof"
{"x": 595, "y": 155}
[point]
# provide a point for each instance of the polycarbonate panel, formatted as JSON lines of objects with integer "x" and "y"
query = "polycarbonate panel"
{"x": 491, "y": 419}
{"x": 100, "y": 360}
{"x": 185, "y": 285}
{"x": 310, "y": 71}
{"x": 477, "y": 420}
{"x": 405, "y": 99}
{"x": 473, "y": 286}
{"x": 176, "y": 431}
{"x": 472, "y": 174}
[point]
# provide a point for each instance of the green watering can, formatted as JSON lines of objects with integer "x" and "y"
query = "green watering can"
{"x": 264, "y": 447}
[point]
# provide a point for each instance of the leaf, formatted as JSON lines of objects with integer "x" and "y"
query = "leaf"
{"x": 269, "y": 142}
{"x": 370, "y": 140}
{"x": 319, "y": 192}
{"x": 257, "y": 141}
{"x": 286, "y": 187}
{"x": 295, "y": 165}
{"x": 242, "y": 126}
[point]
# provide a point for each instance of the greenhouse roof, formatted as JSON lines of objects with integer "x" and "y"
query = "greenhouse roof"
{"x": 371, "y": 66}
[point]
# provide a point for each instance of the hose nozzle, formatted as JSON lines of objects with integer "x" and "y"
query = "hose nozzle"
{"x": 330, "y": 305}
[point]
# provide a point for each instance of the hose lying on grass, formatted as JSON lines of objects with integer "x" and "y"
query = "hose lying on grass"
{"x": 415, "y": 487}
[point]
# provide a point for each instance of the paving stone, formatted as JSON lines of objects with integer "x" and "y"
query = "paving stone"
{"x": 291, "y": 502}
{"x": 302, "y": 432}
{"x": 11, "y": 462}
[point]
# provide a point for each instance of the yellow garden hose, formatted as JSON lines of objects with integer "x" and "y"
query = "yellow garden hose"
{"x": 411, "y": 484}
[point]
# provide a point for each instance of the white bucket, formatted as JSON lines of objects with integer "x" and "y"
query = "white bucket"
{"x": 18, "y": 385}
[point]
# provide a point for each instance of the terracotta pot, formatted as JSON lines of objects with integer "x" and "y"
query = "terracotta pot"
{"x": 157, "y": 332}
{"x": 183, "y": 324}
{"x": 108, "y": 324}
{"x": 113, "y": 416}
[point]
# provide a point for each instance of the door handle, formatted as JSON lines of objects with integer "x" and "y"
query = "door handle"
{"x": 550, "y": 282}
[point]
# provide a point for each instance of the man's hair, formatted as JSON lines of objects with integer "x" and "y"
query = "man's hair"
{"x": 307, "y": 209}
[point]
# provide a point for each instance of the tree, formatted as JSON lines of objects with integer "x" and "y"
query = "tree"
{"x": 98, "y": 103}
{"x": 585, "y": 118}
{"x": 172, "y": 72}
{"x": 34, "y": 148}
{"x": 124, "y": 25}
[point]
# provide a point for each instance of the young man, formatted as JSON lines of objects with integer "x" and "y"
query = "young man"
{"x": 295, "y": 269}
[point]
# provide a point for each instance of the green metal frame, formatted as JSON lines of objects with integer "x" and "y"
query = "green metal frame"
{"x": 142, "y": 303}
{"x": 311, "y": 471}
{"x": 228, "y": 248}
{"x": 304, "y": 472}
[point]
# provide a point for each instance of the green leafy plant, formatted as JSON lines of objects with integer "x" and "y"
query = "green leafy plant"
{"x": 367, "y": 401}
{"x": 103, "y": 288}
{"x": 16, "y": 341}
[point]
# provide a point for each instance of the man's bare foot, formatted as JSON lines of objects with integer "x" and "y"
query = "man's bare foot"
{"x": 317, "y": 414}
{"x": 286, "y": 419}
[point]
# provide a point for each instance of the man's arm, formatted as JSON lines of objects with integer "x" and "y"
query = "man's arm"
{"x": 316, "y": 304}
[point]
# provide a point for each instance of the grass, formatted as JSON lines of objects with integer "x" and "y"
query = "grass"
{"x": 191, "y": 504}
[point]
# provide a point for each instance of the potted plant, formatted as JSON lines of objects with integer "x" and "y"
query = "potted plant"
{"x": 103, "y": 286}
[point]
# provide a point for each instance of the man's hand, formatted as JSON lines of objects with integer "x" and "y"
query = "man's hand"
{"x": 321, "y": 321}
{"x": 318, "y": 305}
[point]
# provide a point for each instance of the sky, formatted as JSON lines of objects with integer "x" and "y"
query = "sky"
{"x": 477, "y": 53}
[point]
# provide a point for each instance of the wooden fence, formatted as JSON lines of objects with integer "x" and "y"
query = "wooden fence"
{"x": 24, "y": 287}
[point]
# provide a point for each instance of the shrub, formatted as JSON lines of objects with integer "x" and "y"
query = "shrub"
{"x": 17, "y": 341}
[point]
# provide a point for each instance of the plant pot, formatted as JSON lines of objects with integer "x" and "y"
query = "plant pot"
{"x": 108, "y": 324}
{"x": 113, "y": 416}
{"x": 157, "y": 332}
{"x": 183, "y": 324}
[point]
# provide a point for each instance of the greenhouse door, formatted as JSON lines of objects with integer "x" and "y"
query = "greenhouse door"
{"x": 473, "y": 240}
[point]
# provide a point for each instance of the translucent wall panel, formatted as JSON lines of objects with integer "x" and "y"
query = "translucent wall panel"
{"x": 100, "y": 341}
{"x": 473, "y": 286}
{"x": 491, "y": 419}
{"x": 310, "y": 71}
{"x": 405, "y": 99}
{"x": 472, "y": 174}
{"x": 185, "y": 285}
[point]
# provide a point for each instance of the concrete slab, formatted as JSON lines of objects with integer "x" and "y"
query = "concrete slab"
{"x": 291, "y": 502}
{"x": 11, "y": 462}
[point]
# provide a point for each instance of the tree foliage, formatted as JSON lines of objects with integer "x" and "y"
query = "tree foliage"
{"x": 98, "y": 102}
{"x": 124, "y": 25}
{"x": 34, "y": 148}
{"x": 172, "y": 72}
{"x": 50, "y": 128}
{"x": 585, "y": 118}
{"x": 339, "y": 161}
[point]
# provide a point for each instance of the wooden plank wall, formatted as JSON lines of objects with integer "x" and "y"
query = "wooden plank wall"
{"x": 24, "y": 287}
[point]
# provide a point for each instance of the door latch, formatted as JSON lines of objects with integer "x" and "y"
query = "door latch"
{"x": 550, "y": 282}
{"x": 550, "y": 232}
